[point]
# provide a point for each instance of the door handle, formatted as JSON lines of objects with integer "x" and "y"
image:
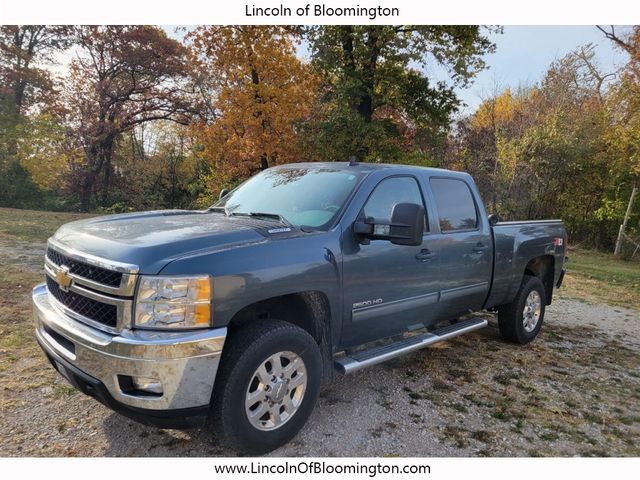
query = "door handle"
{"x": 480, "y": 247}
{"x": 425, "y": 255}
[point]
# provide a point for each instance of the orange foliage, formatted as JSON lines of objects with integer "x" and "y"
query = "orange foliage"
{"x": 260, "y": 91}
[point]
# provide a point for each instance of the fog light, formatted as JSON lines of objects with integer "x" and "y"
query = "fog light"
{"x": 140, "y": 386}
{"x": 145, "y": 384}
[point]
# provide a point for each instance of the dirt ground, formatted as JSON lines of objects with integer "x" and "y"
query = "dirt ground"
{"x": 574, "y": 391}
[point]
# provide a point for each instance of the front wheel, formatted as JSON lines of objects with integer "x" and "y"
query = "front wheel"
{"x": 267, "y": 386}
{"x": 521, "y": 320}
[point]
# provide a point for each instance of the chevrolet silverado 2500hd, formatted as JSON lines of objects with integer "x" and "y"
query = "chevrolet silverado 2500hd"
{"x": 236, "y": 315}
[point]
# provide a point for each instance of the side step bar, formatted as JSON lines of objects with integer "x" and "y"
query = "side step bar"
{"x": 380, "y": 354}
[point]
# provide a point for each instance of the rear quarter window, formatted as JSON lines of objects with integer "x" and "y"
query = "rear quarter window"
{"x": 455, "y": 204}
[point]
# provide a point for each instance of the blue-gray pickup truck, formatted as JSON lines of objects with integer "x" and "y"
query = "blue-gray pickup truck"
{"x": 234, "y": 316}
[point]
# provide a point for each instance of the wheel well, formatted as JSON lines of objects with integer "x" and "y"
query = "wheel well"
{"x": 543, "y": 268}
{"x": 308, "y": 310}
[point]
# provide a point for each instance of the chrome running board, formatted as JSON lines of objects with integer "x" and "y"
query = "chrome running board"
{"x": 366, "y": 358}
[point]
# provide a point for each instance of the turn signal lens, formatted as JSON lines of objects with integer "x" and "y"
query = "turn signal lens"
{"x": 203, "y": 289}
{"x": 202, "y": 315}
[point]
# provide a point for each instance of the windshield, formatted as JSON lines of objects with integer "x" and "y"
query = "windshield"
{"x": 303, "y": 197}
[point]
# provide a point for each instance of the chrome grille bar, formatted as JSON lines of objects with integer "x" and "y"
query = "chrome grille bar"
{"x": 118, "y": 296}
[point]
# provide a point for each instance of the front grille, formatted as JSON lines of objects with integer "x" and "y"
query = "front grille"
{"x": 87, "y": 307}
{"x": 85, "y": 270}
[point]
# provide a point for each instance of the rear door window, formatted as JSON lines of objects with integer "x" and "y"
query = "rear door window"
{"x": 455, "y": 204}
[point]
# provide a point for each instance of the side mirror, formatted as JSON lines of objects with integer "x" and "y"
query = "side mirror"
{"x": 223, "y": 193}
{"x": 405, "y": 228}
{"x": 493, "y": 219}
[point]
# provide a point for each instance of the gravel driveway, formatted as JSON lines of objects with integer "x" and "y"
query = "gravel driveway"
{"x": 574, "y": 391}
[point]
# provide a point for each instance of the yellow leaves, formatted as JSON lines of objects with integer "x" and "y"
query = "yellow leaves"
{"x": 506, "y": 108}
{"x": 507, "y": 153}
{"x": 497, "y": 112}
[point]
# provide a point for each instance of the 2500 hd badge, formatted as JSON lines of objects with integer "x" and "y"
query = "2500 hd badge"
{"x": 367, "y": 303}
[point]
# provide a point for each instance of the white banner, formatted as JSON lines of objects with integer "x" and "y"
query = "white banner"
{"x": 190, "y": 12}
{"x": 326, "y": 468}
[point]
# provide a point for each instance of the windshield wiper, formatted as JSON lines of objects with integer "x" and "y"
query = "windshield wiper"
{"x": 273, "y": 216}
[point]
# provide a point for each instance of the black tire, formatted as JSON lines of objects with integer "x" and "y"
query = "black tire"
{"x": 249, "y": 347}
{"x": 511, "y": 318}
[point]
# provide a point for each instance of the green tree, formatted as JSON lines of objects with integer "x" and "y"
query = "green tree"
{"x": 24, "y": 84}
{"x": 158, "y": 167}
{"x": 624, "y": 136}
{"x": 378, "y": 99}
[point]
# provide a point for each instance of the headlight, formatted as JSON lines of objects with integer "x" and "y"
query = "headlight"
{"x": 173, "y": 302}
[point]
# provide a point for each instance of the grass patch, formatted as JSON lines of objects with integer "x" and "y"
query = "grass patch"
{"x": 629, "y": 420}
{"x": 441, "y": 385}
{"x": 459, "y": 407}
{"x": 64, "y": 390}
{"x": 415, "y": 417}
{"x": 456, "y": 435}
{"x": 598, "y": 277}
{"x": 504, "y": 378}
{"x": 549, "y": 436}
{"x": 543, "y": 399}
{"x": 32, "y": 225}
{"x": 482, "y": 436}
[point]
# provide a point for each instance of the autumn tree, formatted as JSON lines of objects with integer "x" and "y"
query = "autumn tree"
{"x": 24, "y": 49}
{"x": 123, "y": 76}
{"x": 257, "y": 92}
{"x": 546, "y": 151}
{"x": 46, "y": 150}
{"x": 161, "y": 165}
{"x": 377, "y": 90}
{"x": 624, "y": 137}
{"x": 481, "y": 144}
{"x": 25, "y": 52}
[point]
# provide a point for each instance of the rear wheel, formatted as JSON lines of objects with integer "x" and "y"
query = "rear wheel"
{"x": 266, "y": 387}
{"x": 521, "y": 320}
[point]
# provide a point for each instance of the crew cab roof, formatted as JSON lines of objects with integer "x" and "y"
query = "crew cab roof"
{"x": 364, "y": 167}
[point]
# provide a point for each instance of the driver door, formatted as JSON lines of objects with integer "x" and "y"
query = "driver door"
{"x": 388, "y": 288}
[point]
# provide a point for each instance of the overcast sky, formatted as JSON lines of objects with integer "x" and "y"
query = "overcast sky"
{"x": 522, "y": 56}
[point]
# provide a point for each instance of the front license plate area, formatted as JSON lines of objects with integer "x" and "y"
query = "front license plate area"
{"x": 63, "y": 371}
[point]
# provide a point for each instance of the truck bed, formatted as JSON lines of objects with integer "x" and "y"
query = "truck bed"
{"x": 516, "y": 243}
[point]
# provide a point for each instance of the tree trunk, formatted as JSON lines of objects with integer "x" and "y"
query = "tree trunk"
{"x": 624, "y": 222}
{"x": 18, "y": 95}
{"x": 349, "y": 61}
{"x": 365, "y": 108}
{"x": 255, "y": 79}
{"x": 365, "y": 105}
{"x": 86, "y": 190}
{"x": 264, "y": 162}
{"x": 107, "y": 168}
{"x": 99, "y": 156}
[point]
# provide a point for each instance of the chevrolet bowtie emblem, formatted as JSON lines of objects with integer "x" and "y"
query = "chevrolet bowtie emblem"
{"x": 63, "y": 278}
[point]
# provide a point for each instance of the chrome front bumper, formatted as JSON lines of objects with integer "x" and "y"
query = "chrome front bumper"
{"x": 184, "y": 362}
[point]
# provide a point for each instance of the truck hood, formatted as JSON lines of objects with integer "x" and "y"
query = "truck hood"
{"x": 151, "y": 240}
